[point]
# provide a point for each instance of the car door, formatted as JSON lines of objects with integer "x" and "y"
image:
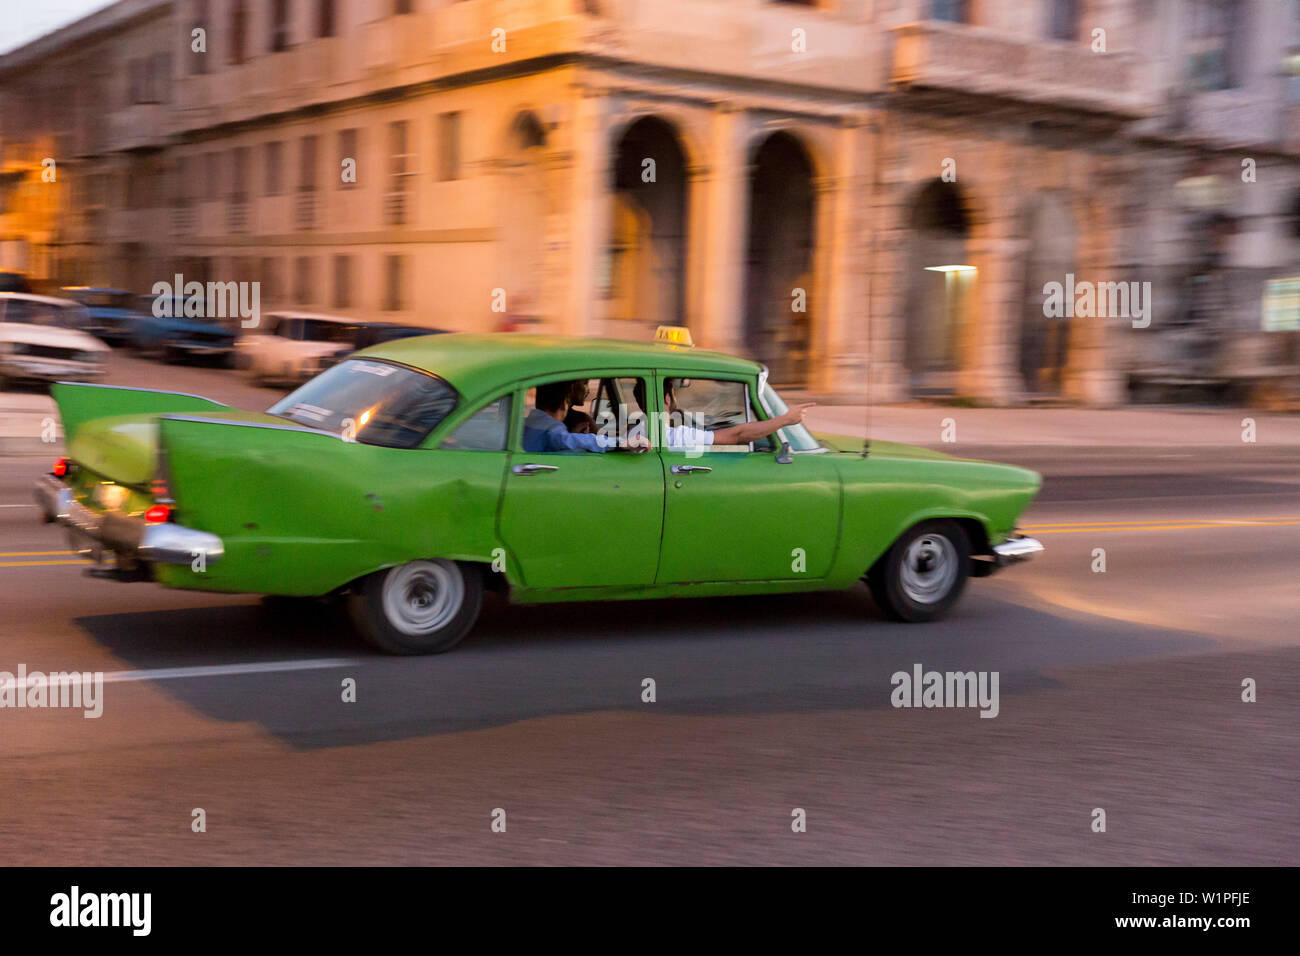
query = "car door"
{"x": 748, "y": 512}
{"x": 578, "y": 518}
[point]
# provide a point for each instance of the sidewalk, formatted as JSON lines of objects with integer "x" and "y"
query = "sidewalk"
{"x": 1146, "y": 426}
{"x": 24, "y": 416}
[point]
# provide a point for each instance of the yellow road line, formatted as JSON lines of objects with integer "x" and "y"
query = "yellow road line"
{"x": 28, "y": 554}
{"x": 1159, "y": 521}
{"x": 1218, "y": 525}
{"x": 39, "y": 564}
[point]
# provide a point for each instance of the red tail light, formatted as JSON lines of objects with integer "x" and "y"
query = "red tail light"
{"x": 60, "y": 467}
{"x": 157, "y": 514}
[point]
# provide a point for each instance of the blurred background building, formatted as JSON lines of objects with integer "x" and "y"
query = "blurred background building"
{"x": 867, "y": 195}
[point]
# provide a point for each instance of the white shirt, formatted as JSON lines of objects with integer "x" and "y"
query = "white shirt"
{"x": 686, "y": 437}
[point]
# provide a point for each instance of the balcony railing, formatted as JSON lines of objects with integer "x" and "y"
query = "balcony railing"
{"x": 237, "y": 215}
{"x": 304, "y": 210}
{"x": 968, "y": 60}
{"x": 395, "y": 208}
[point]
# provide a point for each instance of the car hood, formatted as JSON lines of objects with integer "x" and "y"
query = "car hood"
{"x": 125, "y": 447}
{"x": 50, "y": 335}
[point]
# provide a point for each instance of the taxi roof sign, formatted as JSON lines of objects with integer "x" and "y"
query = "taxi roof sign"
{"x": 674, "y": 335}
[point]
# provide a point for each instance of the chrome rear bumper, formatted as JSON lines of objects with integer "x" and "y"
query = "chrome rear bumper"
{"x": 1018, "y": 547}
{"x": 132, "y": 539}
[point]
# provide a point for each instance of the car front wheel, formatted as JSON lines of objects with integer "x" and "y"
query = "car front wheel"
{"x": 424, "y": 607}
{"x": 923, "y": 574}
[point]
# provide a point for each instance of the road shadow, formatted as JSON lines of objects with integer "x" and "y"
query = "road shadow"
{"x": 726, "y": 656}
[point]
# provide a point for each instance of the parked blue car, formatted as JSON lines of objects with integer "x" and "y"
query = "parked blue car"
{"x": 177, "y": 337}
{"x": 113, "y": 314}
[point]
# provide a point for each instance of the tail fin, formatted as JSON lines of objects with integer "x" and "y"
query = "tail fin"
{"x": 79, "y": 403}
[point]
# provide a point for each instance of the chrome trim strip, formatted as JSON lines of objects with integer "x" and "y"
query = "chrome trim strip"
{"x": 226, "y": 421}
{"x": 158, "y": 391}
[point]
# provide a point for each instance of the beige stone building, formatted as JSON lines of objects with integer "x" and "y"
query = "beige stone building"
{"x": 868, "y": 195}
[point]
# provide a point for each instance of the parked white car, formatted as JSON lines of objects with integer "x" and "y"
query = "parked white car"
{"x": 41, "y": 339}
{"x": 291, "y": 347}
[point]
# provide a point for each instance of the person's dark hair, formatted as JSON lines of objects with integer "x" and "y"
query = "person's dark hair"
{"x": 551, "y": 396}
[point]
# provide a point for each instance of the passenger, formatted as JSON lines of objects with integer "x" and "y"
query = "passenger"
{"x": 544, "y": 427}
{"x": 576, "y": 420}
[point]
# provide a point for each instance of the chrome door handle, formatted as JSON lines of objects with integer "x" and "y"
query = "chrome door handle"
{"x": 531, "y": 469}
{"x": 687, "y": 469}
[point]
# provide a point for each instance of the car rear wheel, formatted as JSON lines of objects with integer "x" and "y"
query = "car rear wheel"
{"x": 424, "y": 607}
{"x": 923, "y": 574}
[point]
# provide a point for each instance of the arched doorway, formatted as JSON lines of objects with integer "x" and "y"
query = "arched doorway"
{"x": 779, "y": 260}
{"x": 645, "y": 267}
{"x": 526, "y": 205}
{"x": 940, "y": 287}
{"x": 1052, "y": 254}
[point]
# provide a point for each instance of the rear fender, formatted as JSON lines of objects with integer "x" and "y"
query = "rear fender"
{"x": 303, "y": 512}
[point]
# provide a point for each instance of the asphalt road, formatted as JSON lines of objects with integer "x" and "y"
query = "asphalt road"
{"x": 1118, "y": 690}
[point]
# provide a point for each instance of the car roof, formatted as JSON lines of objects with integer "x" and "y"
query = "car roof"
{"x": 43, "y": 299}
{"x": 474, "y": 363}
{"x": 281, "y": 314}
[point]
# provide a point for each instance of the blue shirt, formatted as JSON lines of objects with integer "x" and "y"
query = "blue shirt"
{"x": 544, "y": 433}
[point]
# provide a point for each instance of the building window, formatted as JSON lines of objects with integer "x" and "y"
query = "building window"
{"x": 279, "y": 25}
{"x": 951, "y": 11}
{"x": 348, "y": 144}
{"x": 239, "y": 174}
{"x": 1217, "y": 45}
{"x": 394, "y": 274}
{"x": 1064, "y": 22}
{"x": 449, "y": 146}
{"x": 400, "y": 165}
{"x": 302, "y": 284}
{"x": 342, "y": 282}
{"x": 198, "y": 61}
{"x": 270, "y": 280}
{"x": 213, "y": 163}
{"x": 274, "y": 168}
{"x": 161, "y": 77}
{"x": 238, "y": 29}
{"x": 326, "y": 19}
{"x": 307, "y": 165}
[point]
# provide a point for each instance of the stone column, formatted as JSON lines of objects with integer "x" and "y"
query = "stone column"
{"x": 591, "y": 210}
{"x": 986, "y": 359}
{"x": 1091, "y": 373}
{"x": 719, "y": 259}
{"x": 839, "y": 353}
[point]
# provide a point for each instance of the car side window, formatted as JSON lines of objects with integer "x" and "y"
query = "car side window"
{"x": 485, "y": 430}
{"x": 698, "y": 405}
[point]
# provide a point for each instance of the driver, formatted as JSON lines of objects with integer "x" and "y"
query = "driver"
{"x": 684, "y": 436}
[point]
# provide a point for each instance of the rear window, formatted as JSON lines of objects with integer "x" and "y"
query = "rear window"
{"x": 314, "y": 330}
{"x": 27, "y": 312}
{"x": 373, "y": 402}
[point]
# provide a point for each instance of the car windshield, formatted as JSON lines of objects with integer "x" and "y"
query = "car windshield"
{"x": 27, "y": 312}
{"x": 315, "y": 330}
{"x": 799, "y": 436}
{"x": 373, "y": 402}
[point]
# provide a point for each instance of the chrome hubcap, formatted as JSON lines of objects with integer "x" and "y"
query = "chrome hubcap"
{"x": 929, "y": 569}
{"x": 423, "y": 596}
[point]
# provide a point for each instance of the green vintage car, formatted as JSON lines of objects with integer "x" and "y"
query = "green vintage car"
{"x": 403, "y": 479}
